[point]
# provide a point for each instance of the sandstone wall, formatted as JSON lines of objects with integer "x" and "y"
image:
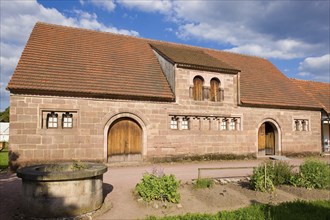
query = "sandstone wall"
{"x": 30, "y": 140}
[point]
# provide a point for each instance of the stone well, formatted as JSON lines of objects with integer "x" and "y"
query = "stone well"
{"x": 62, "y": 190}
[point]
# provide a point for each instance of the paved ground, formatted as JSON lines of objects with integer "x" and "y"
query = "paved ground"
{"x": 119, "y": 183}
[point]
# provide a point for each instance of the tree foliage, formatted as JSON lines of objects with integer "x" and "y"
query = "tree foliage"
{"x": 4, "y": 116}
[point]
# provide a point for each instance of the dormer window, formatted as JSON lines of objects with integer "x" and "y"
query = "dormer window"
{"x": 67, "y": 121}
{"x": 52, "y": 120}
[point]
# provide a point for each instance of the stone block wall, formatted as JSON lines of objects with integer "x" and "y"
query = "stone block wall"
{"x": 30, "y": 141}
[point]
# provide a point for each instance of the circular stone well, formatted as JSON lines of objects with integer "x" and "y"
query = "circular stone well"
{"x": 63, "y": 189}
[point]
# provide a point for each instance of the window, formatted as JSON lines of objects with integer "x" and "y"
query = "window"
{"x": 52, "y": 120}
{"x": 301, "y": 125}
{"x": 185, "y": 124}
{"x": 174, "y": 123}
{"x": 198, "y": 88}
{"x": 58, "y": 119}
{"x": 304, "y": 124}
{"x": 215, "y": 90}
{"x": 297, "y": 125}
{"x": 233, "y": 124}
{"x": 67, "y": 120}
{"x": 224, "y": 124}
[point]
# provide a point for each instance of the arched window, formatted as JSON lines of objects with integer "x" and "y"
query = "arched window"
{"x": 198, "y": 88}
{"x": 215, "y": 90}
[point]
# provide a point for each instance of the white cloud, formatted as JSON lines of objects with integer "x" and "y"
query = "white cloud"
{"x": 162, "y": 6}
{"x": 317, "y": 68}
{"x": 272, "y": 29}
{"x": 17, "y": 20}
{"x": 108, "y": 5}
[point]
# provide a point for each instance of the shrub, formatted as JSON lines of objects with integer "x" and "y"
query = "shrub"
{"x": 261, "y": 180}
{"x": 282, "y": 173}
{"x": 277, "y": 173}
{"x": 312, "y": 174}
{"x": 163, "y": 187}
{"x": 203, "y": 183}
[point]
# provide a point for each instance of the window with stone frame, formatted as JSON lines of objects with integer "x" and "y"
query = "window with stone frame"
{"x": 224, "y": 124}
{"x": 301, "y": 125}
{"x": 185, "y": 123}
{"x": 297, "y": 125}
{"x": 232, "y": 124}
{"x": 304, "y": 125}
{"x": 174, "y": 123}
{"x": 67, "y": 120}
{"x": 52, "y": 120}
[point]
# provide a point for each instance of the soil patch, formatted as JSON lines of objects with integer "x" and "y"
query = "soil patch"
{"x": 220, "y": 197}
{"x": 307, "y": 194}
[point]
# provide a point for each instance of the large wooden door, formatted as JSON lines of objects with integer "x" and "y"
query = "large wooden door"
{"x": 266, "y": 139}
{"x": 124, "y": 138}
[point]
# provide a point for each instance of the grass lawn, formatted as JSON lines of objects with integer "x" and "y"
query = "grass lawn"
{"x": 301, "y": 210}
{"x": 4, "y": 158}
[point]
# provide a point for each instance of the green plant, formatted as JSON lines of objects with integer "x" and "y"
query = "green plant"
{"x": 268, "y": 175}
{"x": 77, "y": 165}
{"x": 302, "y": 210}
{"x": 262, "y": 178}
{"x": 4, "y": 116}
{"x": 4, "y": 158}
{"x": 312, "y": 174}
{"x": 282, "y": 173}
{"x": 203, "y": 183}
{"x": 162, "y": 187}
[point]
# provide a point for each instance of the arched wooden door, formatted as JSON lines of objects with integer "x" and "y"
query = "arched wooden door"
{"x": 198, "y": 88}
{"x": 266, "y": 139}
{"x": 124, "y": 138}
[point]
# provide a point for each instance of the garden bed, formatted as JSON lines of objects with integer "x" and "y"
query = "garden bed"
{"x": 230, "y": 196}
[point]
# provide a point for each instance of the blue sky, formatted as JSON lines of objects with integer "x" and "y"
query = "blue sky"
{"x": 294, "y": 35}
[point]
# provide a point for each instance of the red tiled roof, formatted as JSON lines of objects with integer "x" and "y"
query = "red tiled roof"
{"x": 78, "y": 62}
{"x": 68, "y": 61}
{"x": 262, "y": 84}
{"x": 319, "y": 91}
{"x": 190, "y": 57}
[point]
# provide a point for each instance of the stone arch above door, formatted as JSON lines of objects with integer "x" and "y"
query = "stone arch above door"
{"x": 131, "y": 117}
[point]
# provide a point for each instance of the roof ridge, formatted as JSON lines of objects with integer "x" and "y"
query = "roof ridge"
{"x": 305, "y": 80}
{"x": 149, "y": 39}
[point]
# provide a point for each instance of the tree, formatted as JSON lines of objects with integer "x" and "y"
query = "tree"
{"x": 4, "y": 116}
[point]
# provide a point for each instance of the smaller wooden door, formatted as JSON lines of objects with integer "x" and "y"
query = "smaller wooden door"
{"x": 124, "y": 137}
{"x": 198, "y": 88}
{"x": 214, "y": 90}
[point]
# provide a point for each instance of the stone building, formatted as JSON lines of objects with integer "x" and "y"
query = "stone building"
{"x": 78, "y": 94}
